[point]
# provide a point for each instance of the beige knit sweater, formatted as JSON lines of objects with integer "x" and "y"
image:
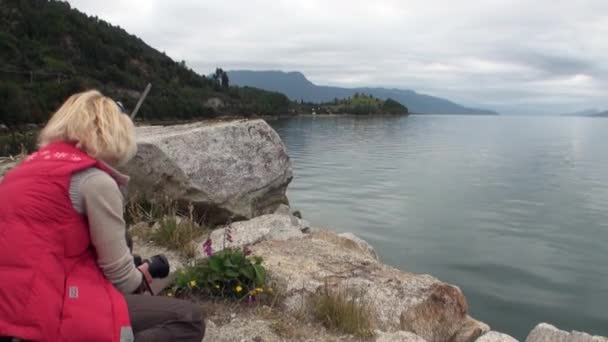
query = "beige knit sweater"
{"x": 96, "y": 195}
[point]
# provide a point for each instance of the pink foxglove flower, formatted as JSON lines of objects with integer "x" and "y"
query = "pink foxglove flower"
{"x": 207, "y": 248}
{"x": 228, "y": 233}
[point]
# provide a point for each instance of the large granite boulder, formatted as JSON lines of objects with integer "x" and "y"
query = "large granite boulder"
{"x": 547, "y": 333}
{"x": 420, "y": 304}
{"x": 228, "y": 170}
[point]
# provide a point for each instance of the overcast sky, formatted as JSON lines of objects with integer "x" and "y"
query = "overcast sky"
{"x": 520, "y": 56}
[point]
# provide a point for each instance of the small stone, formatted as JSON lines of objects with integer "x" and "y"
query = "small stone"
{"x": 283, "y": 209}
{"x": 257, "y": 339}
{"x": 233, "y": 315}
{"x": 297, "y": 214}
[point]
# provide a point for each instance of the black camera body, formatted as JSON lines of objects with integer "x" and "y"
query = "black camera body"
{"x": 158, "y": 265}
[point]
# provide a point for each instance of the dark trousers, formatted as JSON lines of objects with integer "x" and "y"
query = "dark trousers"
{"x": 157, "y": 318}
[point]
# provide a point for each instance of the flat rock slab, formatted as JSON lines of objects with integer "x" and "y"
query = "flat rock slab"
{"x": 250, "y": 232}
{"x": 547, "y": 333}
{"x": 228, "y": 170}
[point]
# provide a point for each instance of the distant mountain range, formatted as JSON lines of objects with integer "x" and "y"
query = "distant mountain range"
{"x": 297, "y": 87}
{"x": 589, "y": 112}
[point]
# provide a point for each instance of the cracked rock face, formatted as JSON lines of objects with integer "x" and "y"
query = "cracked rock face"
{"x": 420, "y": 304}
{"x": 229, "y": 170}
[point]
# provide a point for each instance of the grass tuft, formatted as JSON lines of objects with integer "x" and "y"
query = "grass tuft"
{"x": 177, "y": 234}
{"x": 343, "y": 310}
{"x": 170, "y": 228}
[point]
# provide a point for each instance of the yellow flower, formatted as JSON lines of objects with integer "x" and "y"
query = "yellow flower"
{"x": 238, "y": 289}
{"x": 259, "y": 289}
{"x": 169, "y": 294}
{"x": 217, "y": 286}
{"x": 192, "y": 283}
{"x": 252, "y": 293}
{"x": 270, "y": 289}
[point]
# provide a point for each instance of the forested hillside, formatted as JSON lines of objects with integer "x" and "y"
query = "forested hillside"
{"x": 358, "y": 104}
{"x": 49, "y": 50}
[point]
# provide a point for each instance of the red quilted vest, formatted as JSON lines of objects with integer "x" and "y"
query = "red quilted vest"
{"x": 51, "y": 288}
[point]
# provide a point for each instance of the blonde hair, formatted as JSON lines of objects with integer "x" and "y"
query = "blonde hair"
{"x": 96, "y": 124}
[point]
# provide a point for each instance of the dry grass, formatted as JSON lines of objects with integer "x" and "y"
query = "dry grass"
{"x": 177, "y": 234}
{"x": 343, "y": 310}
{"x": 169, "y": 228}
{"x": 144, "y": 210}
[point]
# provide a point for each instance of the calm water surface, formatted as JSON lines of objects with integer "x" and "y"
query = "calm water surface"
{"x": 514, "y": 210}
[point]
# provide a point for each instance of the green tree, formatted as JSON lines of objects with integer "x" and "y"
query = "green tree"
{"x": 391, "y": 106}
{"x": 12, "y": 99}
{"x": 225, "y": 80}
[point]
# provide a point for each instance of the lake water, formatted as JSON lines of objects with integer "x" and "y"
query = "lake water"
{"x": 514, "y": 210}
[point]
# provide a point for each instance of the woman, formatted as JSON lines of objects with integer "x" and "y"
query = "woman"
{"x": 66, "y": 271}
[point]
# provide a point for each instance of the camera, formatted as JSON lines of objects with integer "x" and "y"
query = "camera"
{"x": 158, "y": 265}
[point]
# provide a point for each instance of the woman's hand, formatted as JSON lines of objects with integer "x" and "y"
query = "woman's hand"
{"x": 144, "y": 270}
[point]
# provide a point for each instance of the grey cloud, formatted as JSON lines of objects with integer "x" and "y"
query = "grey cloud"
{"x": 551, "y": 64}
{"x": 514, "y": 55}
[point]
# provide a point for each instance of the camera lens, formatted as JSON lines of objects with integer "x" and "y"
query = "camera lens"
{"x": 158, "y": 266}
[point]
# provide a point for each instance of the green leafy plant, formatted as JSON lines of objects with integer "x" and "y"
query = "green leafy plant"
{"x": 230, "y": 273}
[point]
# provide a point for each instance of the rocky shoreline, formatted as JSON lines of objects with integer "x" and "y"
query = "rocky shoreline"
{"x": 236, "y": 174}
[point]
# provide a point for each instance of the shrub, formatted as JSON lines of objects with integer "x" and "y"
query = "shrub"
{"x": 18, "y": 142}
